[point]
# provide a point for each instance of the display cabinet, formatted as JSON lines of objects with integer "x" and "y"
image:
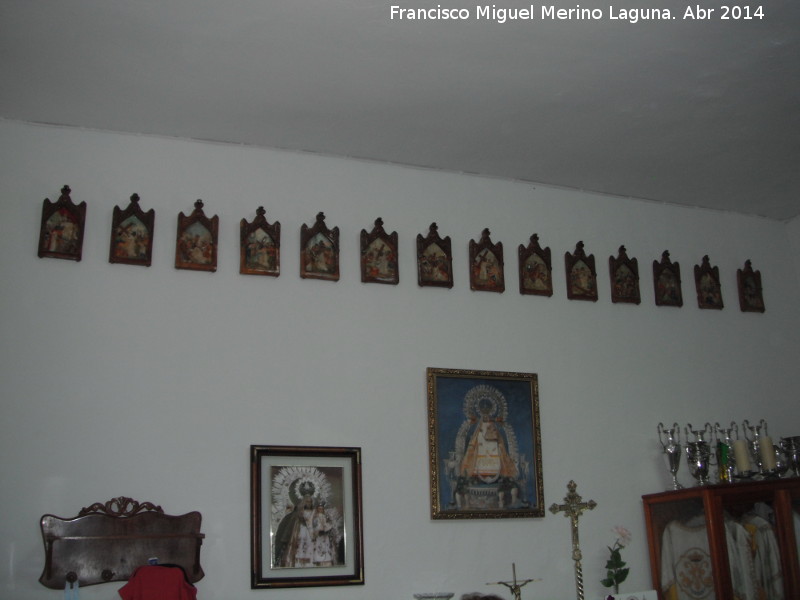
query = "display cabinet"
{"x": 727, "y": 541}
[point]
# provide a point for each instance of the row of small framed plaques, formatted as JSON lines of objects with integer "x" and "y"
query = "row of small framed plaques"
{"x": 62, "y": 227}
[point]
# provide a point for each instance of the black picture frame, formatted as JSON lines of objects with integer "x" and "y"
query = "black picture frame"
{"x": 297, "y": 491}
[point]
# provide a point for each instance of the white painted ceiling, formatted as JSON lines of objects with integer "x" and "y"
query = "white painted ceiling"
{"x": 696, "y": 112}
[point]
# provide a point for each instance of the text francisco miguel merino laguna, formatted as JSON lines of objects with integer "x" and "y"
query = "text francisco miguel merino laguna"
{"x": 546, "y": 13}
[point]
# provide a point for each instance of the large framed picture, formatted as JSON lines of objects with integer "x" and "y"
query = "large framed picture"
{"x": 305, "y": 516}
{"x": 485, "y": 444}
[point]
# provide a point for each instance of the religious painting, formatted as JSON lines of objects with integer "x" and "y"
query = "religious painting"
{"x": 305, "y": 516}
{"x": 535, "y": 269}
{"x": 624, "y": 273}
{"x": 751, "y": 298}
{"x": 706, "y": 279}
{"x": 379, "y": 255}
{"x": 259, "y": 246}
{"x": 667, "y": 281}
{"x": 319, "y": 251}
{"x": 485, "y": 448}
{"x": 61, "y": 232}
{"x": 581, "y": 275}
{"x": 486, "y": 266}
{"x": 434, "y": 259}
{"x": 132, "y": 234}
{"x": 196, "y": 246}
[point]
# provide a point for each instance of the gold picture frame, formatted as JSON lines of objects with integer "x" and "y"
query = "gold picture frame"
{"x": 485, "y": 446}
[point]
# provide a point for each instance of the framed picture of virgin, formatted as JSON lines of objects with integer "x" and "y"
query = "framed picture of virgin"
{"x": 61, "y": 233}
{"x": 132, "y": 234}
{"x": 305, "y": 516}
{"x": 485, "y": 446}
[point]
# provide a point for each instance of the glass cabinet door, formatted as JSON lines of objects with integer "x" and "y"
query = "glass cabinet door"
{"x": 686, "y": 570}
{"x": 753, "y": 550}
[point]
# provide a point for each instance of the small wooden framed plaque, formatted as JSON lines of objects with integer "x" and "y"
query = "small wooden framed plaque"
{"x": 61, "y": 232}
{"x": 434, "y": 259}
{"x": 535, "y": 269}
{"x": 486, "y": 266}
{"x": 132, "y": 234}
{"x": 319, "y": 251}
{"x": 379, "y": 255}
{"x": 259, "y": 246}
{"x": 196, "y": 245}
{"x": 581, "y": 275}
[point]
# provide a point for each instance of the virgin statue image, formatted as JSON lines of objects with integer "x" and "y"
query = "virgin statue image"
{"x": 306, "y": 530}
{"x": 485, "y": 468}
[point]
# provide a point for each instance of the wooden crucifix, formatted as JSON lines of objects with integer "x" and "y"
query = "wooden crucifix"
{"x": 573, "y": 508}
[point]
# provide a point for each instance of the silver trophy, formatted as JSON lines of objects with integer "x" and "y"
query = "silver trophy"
{"x": 698, "y": 453}
{"x": 791, "y": 450}
{"x": 723, "y": 447}
{"x": 671, "y": 443}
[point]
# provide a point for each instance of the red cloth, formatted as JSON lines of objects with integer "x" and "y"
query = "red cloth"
{"x": 158, "y": 583}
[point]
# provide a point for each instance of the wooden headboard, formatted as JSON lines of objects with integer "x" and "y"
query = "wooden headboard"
{"x": 109, "y": 541}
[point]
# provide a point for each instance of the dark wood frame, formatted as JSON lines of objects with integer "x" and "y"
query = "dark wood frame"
{"x": 119, "y": 229}
{"x": 277, "y": 476}
{"x": 248, "y": 241}
{"x": 49, "y": 244}
{"x": 197, "y": 218}
{"x": 533, "y": 252}
{"x": 386, "y": 245}
{"x": 108, "y": 541}
{"x": 667, "y": 282}
{"x": 427, "y": 247}
{"x": 480, "y": 252}
{"x": 505, "y": 403}
{"x": 588, "y": 290}
{"x": 310, "y": 240}
{"x": 706, "y": 281}
{"x": 748, "y": 281}
{"x": 624, "y": 274}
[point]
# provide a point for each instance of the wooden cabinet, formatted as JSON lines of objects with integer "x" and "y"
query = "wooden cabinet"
{"x": 727, "y": 541}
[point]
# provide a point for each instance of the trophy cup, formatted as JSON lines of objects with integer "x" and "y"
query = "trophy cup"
{"x": 698, "y": 453}
{"x": 724, "y": 452}
{"x": 791, "y": 449}
{"x": 671, "y": 443}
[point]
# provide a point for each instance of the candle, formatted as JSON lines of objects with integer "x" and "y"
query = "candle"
{"x": 742, "y": 456}
{"x": 767, "y": 452}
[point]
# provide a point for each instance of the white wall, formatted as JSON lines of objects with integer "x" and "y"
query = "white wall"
{"x": 153, "y": 382}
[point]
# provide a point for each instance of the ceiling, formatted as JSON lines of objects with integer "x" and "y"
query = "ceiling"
{"x": 695, "y": 112}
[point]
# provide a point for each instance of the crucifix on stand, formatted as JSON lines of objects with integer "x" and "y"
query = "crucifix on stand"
{"x": 573, "y": 508}
{"x": 516, "y": 586}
